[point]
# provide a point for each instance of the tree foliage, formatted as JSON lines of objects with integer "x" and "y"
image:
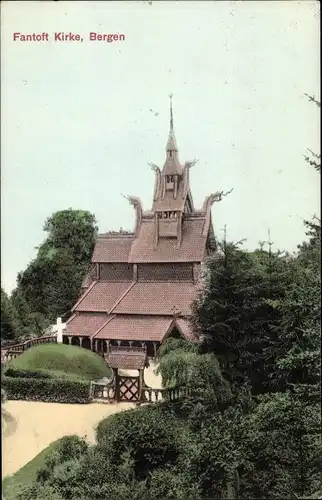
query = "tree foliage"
{"x": 234, "y": 317}
{"x": 8, "y": 325}
{"x": 149, "y": 435}
{"x": 51, "y": 283}
{"x": 281, "y": 446}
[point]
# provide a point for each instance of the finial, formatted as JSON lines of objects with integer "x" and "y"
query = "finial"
{"x": 171, "y": 114}
{"x": 172, "y": 144}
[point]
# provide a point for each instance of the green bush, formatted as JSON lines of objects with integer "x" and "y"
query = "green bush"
{"x": 152, "y": 436}
{"x": 47, "y": 390}
{"x": 36, "y": 491}
{"x": 68, "y": 448}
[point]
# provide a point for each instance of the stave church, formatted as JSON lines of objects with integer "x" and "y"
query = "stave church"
{"x": 141, "y": 285}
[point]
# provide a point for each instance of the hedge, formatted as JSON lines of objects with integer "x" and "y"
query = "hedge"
{"x": 14, "y": 372}
{"x": 48, "y": 390}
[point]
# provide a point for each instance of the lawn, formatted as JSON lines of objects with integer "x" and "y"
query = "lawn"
{"x": 62, "y": 361}
{"x": 26, "y": 475}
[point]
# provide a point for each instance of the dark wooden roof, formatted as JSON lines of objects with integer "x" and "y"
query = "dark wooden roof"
{"x": 127, "y": 358}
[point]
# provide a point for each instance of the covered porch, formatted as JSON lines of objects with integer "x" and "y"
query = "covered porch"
{"x": 102, "y": 346}
{"x": 100, "y": 332}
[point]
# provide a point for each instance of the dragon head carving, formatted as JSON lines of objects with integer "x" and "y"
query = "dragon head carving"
{"x": 214, "y": 197}
{"x": 189, "y": 164}
{"x": 134, "y": 201}
{"x": 155, "y": 168}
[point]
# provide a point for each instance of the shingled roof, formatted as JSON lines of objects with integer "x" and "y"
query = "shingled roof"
{"x": 102, "y": 296}
{"x": 192, "y": 248}
{"x": 112, "y": 247}
{"x": 157, "y": 299}
{"x": 136, "y": 328}
{"x": 127, "y": 358}
{"x": 169, "y": 201}
{"x": 85, "y": 323}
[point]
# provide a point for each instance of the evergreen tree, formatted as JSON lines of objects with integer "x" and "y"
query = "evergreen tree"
{"x": 233, "y": 317}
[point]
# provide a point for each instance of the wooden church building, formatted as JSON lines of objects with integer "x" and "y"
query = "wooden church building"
{"x": 141, "y": 285}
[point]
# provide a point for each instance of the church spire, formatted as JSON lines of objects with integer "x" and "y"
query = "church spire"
{"x": 172, "y": 143}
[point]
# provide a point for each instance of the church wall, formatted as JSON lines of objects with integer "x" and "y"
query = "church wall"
{"x": 116, "y": 272}
{"x": 165, "y": 272}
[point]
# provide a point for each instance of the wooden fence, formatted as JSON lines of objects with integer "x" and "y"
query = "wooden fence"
{"x": 103, "y": 392}
{"x": 11, "y": 352}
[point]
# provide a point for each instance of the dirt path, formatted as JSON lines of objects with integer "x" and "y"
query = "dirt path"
{"x": 30, "y": 427}
{"x": 39, "y": 424}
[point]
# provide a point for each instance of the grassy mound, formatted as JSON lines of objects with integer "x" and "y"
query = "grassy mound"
{"x": 61, "y": 361}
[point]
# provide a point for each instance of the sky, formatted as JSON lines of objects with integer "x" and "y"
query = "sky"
{"x": 78, "y": 130}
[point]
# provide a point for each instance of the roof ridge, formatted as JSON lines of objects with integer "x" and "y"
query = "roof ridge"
{"x": 122, "y": 296}
{"x": 84, "y": 295}
{"x": 104, "y": 324}
{"x": 70, "y": 319}
{"x": 112, "y": 235}
{"x": 169, "y": 330}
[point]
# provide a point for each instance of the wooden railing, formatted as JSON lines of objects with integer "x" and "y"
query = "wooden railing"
{"x": 102, "y": 391}
{"x": 152, "y": 395}
{"x": 13, "y": 351}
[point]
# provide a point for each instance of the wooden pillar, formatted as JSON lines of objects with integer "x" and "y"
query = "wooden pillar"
{"x": 140, "y": 385}
{"x": 80, "y": 341}
{"x": 156, "y": 230}
{"x": 155, "y": 349}
{"x": 107, "y": 346}
{"x": 117, "y": 384}
{"x": 118, "y": 342}
{"x": 69, "y": 340}
{"x": 175, "y": 187}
